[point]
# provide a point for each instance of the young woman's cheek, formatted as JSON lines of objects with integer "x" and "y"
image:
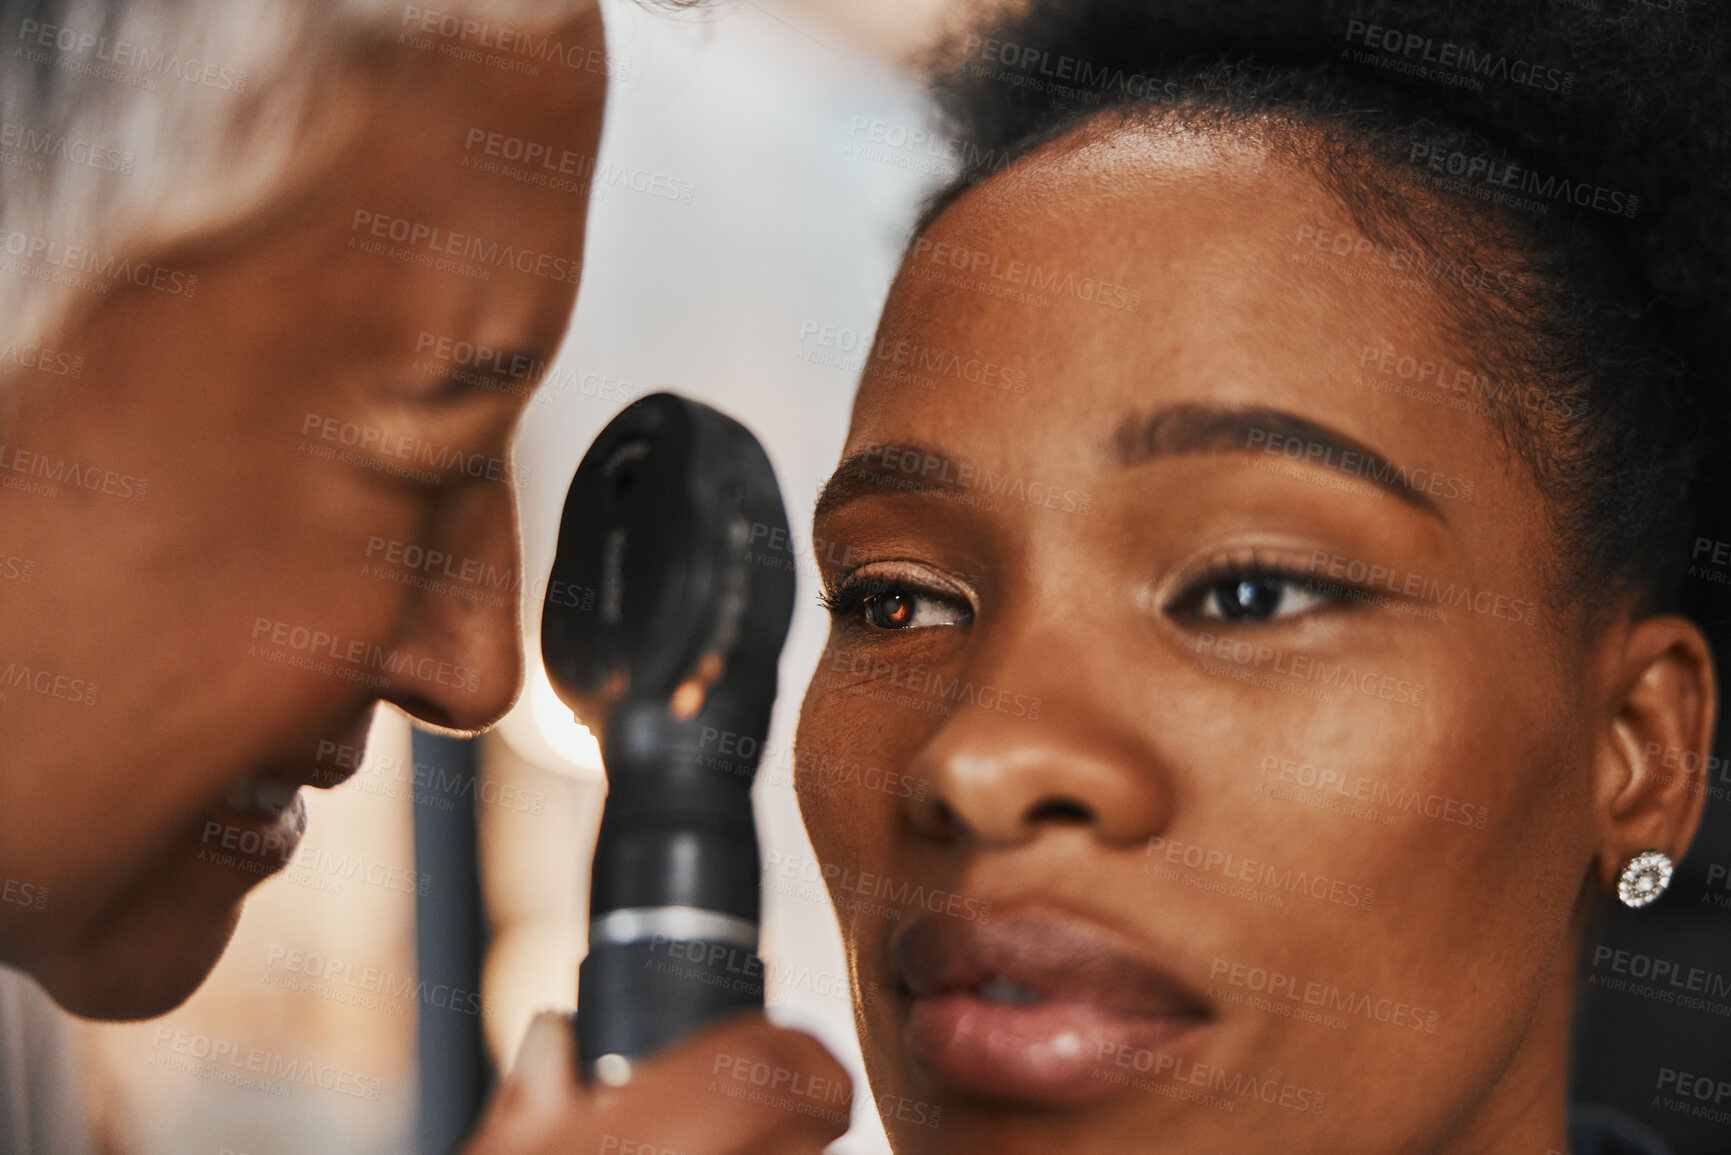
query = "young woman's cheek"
{"x": 841, "y": 731}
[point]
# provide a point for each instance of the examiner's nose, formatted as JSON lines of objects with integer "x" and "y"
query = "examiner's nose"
{"x": 458, "y": 657}
{"x": 1031, "y": 748}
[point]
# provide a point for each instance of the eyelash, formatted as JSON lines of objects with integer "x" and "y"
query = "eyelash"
{"x": 850, "y": 594}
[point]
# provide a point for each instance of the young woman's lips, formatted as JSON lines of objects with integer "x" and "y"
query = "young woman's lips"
{"x": 1038, "y": 1009}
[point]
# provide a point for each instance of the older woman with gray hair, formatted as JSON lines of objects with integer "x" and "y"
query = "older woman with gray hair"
{"x": 226, "y": 228}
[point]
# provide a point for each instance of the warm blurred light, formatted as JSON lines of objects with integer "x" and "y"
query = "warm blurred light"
{"x": 541, "y": 729}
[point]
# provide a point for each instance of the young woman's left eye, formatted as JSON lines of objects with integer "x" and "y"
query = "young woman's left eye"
{"x": 1250, "y": 598}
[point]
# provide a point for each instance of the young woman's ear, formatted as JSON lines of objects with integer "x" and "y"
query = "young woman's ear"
{"x": 1650, "y": 777}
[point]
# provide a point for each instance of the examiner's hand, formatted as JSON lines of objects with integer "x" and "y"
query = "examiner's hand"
{"x": 788, "y": 1098}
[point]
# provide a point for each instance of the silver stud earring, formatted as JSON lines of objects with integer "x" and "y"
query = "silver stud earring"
{"x": 1644, "y": 879}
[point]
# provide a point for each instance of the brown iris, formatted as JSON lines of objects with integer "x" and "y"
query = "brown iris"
{"x": 891, "y": 610}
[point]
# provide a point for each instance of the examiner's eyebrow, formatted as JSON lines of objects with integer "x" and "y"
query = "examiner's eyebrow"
{"x": 1195, "y": 428}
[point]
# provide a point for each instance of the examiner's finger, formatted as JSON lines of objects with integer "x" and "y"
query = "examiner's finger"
{"x": 742, "y": 1086}
{"x": 540, "y": 1102}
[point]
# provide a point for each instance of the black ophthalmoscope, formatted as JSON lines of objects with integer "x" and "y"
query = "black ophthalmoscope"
{"x": 675, "y": 522}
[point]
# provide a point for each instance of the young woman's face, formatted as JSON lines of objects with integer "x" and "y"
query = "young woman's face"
{"x": 1238, "y": 793}
{"x": 289, "y": 499}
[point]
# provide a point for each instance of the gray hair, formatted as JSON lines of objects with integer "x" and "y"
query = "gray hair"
{"x": 130, "y": 126}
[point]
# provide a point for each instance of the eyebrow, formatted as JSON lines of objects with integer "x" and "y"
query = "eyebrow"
{"x": 1194, "y": 428}
{"x": 521, "y": 367}
{"x": 1179, "y": 430}
{"x": 895, "y": 468}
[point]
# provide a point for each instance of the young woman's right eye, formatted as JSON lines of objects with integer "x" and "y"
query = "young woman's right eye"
{"x": 889, "y": 605}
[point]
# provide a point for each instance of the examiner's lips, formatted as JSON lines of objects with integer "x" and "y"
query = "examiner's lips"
{"x": 1033, "y": 1007}
{"x": 257, "y": 825}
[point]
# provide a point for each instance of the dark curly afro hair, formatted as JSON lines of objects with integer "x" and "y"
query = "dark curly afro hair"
{"x": 1586, "y": 142}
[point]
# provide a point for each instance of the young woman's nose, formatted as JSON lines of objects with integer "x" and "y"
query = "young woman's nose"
{"x": 1069, "y": 758}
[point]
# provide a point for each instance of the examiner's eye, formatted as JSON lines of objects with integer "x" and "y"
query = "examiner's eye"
{"x": 889, "y": 605}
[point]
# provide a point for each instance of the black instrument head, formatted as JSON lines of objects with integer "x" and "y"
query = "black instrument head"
{"x": 675, "y": 521}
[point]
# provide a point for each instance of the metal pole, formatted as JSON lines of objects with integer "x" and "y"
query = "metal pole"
{"x": 450, "y": 942}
